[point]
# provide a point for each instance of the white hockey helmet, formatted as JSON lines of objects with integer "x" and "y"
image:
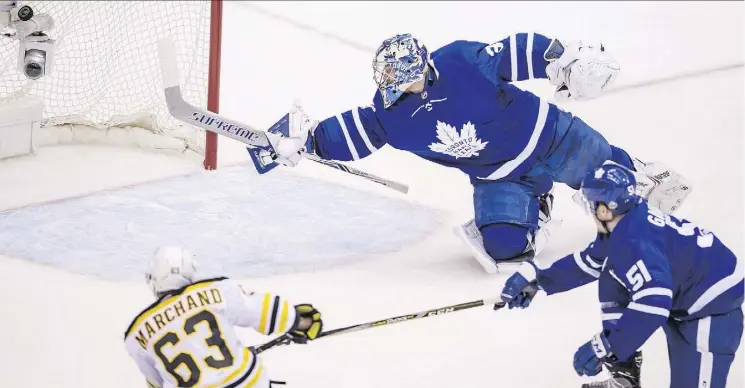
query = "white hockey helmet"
{"x": 171, "y": 268}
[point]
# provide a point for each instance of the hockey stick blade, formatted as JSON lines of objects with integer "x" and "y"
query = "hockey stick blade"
{"x": 287, "y": 339}
{"x": 185, "y": 112}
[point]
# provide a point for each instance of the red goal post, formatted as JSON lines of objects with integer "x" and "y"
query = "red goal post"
{"x": 213, "y": 84}
{"x": 104, "y": 85}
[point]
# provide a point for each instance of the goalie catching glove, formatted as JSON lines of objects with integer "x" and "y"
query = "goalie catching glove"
{"x": 308, "y": 324}
{"x": 580, "y": 71}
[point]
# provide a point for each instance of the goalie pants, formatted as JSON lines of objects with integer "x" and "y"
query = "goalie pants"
{"x": 506, "y": 211}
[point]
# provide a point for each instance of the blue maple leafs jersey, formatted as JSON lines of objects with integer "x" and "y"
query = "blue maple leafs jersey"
{"x": 469, "y": 116}
{"x": 652, "y": 268}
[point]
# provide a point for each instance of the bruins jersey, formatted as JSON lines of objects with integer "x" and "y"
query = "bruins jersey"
{"x": 187, "y": 338}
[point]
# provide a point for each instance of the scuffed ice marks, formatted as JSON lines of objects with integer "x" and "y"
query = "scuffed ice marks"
{"x": 236, "y": 224}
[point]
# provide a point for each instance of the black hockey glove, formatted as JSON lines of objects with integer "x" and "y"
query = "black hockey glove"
{"x": 308, "y": 324}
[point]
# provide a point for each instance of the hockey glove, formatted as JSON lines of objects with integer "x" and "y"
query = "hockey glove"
{"x": 296, "y": 136}
{"x": 308, "y": 324}
{"x": 521, "y": 287}
{"x": 579, "y": 70}
{"x": 589, "y": 358}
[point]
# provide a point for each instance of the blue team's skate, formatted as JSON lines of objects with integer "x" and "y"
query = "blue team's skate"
{"x": 623, "y": 374}
{"x": 537, "y": 241}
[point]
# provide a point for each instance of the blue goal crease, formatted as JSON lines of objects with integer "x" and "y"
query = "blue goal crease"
{"x": 234, "y": 223}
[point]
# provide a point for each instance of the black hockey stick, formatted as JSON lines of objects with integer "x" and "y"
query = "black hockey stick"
{"x": 213, "y": 122}
{"x": 287, "y": 339}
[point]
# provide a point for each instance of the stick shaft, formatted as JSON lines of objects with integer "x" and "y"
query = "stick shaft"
{"x": 410, "y": 317}
{"x": 498, "y": 304}
{"x": 400, "y": 187}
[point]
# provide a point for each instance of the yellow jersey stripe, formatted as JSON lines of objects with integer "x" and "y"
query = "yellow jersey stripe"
{"x": 149, "y": 312}
{"x": 264, "y": 313}
{"x": 256, "y": 377}
{"x": 283, "y": 317}
{"x": 244, "y": 369}
{"x": 247, "y": 379}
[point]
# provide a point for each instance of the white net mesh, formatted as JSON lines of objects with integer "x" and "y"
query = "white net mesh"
{"x": 106, "y": 71}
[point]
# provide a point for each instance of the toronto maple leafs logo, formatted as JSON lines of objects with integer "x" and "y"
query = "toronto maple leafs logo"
{"x": 460, "y": 145}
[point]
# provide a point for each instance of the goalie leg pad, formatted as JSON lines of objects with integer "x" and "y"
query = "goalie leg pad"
{"x": 520, "y": 218}
{"x": 471, "y": 236}
{"x": 505, "y": 202}
{"x": 504, "y": 241}
{"x": 503, "y": 246}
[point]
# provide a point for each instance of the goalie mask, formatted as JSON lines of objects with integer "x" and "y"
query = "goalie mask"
{"x": 399, "y": 62}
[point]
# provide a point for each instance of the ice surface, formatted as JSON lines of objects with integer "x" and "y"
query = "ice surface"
{"x": 64, "y": 330}
{"x": 280, "y": 223}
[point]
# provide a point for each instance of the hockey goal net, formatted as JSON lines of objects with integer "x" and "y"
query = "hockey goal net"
{"x": 105, "y": 84}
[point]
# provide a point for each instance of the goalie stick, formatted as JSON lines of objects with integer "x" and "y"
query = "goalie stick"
{"x": 349, "y": 170}
{"x": 286, "y": 339}
{"x": 260, "y": 144}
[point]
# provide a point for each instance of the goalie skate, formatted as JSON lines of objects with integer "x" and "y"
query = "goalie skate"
{"x": 472, "y": 237}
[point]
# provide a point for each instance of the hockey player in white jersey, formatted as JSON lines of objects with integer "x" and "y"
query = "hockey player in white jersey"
{"x": 187, "y": 338}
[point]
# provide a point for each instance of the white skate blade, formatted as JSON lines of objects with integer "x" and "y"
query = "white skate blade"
{"x": 471, "y": 236}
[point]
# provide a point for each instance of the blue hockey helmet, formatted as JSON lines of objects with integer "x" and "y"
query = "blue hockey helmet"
{"x": 612, "y": 185}
{"x": 399, "y": 62}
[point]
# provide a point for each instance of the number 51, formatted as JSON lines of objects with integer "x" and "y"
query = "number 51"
{"x": 637, "y": 275}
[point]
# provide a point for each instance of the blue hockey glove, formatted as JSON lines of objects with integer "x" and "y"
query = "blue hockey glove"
{"x": 521, "y": 287}
{"x": 589, "y": 358}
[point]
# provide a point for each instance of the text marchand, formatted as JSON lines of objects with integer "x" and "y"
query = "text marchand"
{"x": 179, "y": 305}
